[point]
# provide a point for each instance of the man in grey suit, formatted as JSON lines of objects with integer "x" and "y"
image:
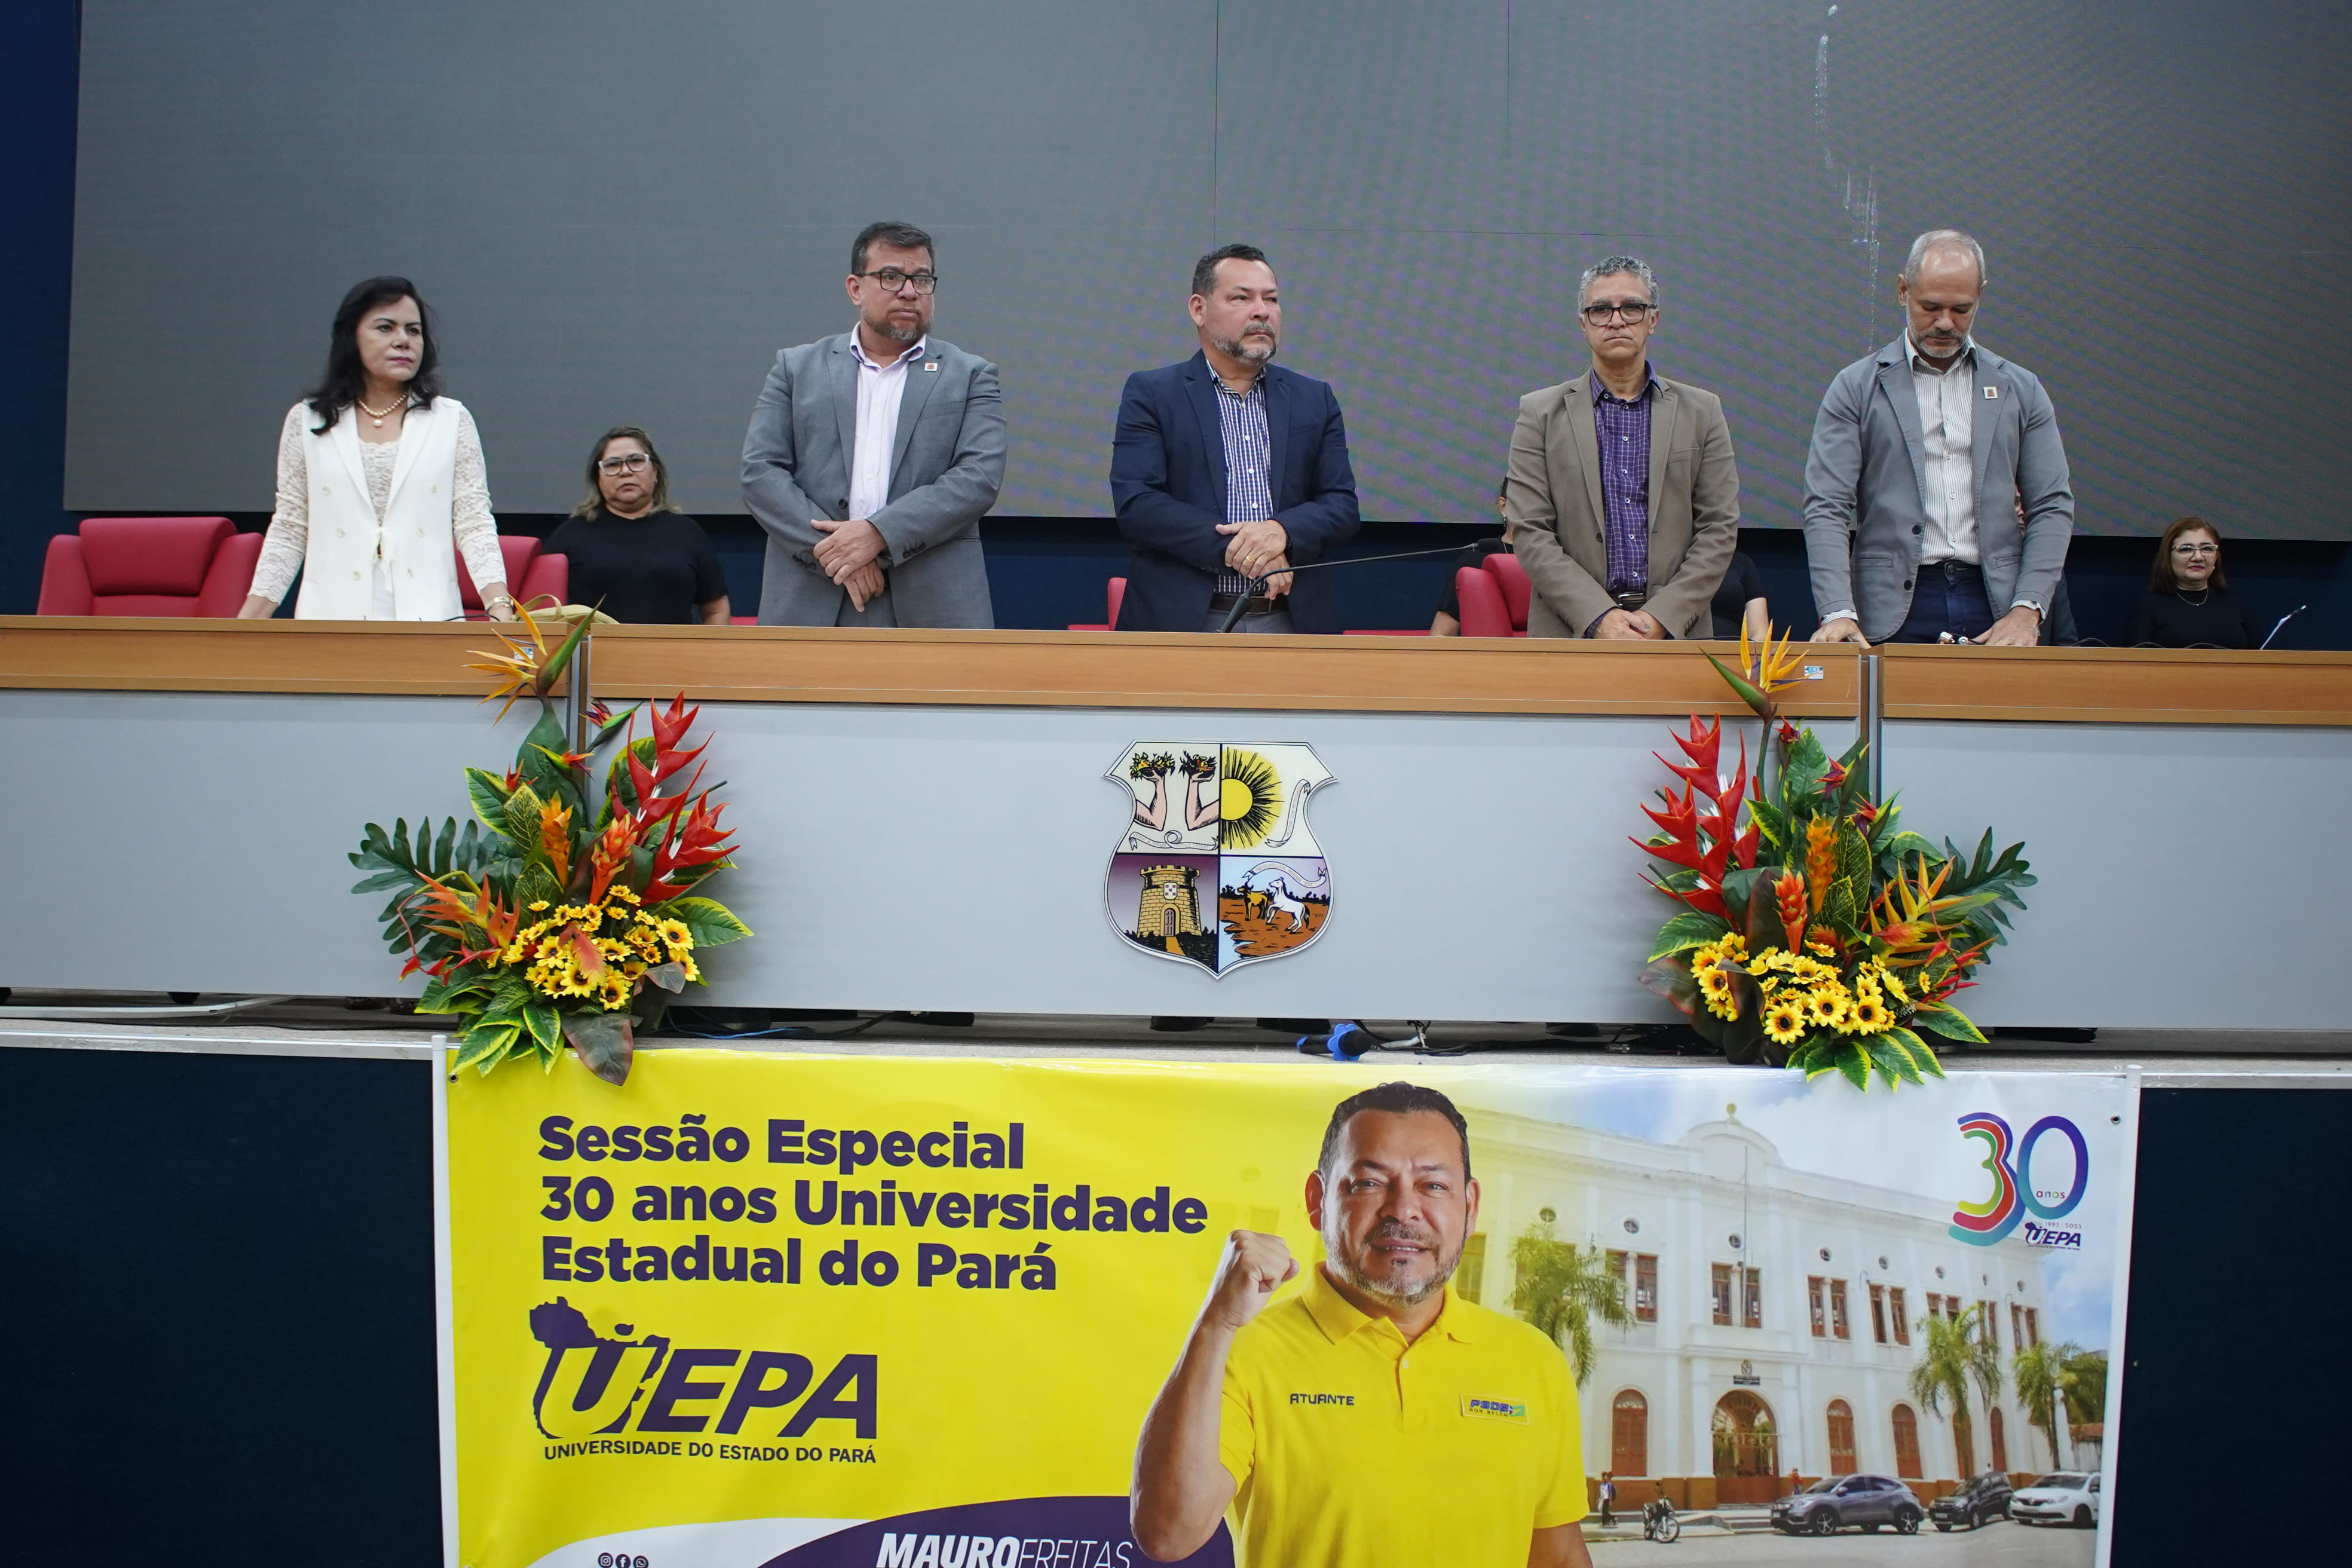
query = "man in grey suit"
{"x": 1622, "y": 502}
{"x": 1925, "y": 455}
{"x": 873, "y": 456}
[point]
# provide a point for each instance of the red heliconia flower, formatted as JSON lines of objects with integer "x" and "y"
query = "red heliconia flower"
{"x": 1703, "y": 746}
{"x": 1865, "y": 813}
{"x": 1788, "y": 896}
{"x": 698, "y": 841}
{"x": 1788, "y": 734}
{"x": 1833, "y": 778}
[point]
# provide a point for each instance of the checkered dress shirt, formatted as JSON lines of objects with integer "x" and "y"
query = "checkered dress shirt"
{"x": 1249, "y": 460}
{"x": 1623, "y": 429}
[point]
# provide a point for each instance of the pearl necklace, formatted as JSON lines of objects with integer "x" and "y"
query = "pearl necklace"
{"x": 378, "y": 415}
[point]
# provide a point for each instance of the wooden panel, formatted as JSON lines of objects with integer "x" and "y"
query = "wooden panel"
{"x": 998, "y": 669}
{"x": 1125, "y": 670}
{"x": 2136, "y": 686}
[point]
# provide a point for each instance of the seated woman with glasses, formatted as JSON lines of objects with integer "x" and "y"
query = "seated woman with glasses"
{"x": 631, "y": 554}
{"x": 2189, "y": 602}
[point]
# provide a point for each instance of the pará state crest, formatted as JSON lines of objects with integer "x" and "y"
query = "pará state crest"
{"x": 1216, "y": 865}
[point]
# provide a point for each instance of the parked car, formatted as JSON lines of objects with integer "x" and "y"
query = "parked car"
{"x": 2062, "y": 1496}
{"x": 1980, "y": 1502}
{"x": 1832, "y": 1504}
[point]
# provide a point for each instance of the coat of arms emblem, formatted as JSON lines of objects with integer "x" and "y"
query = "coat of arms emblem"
{"x": 1216, "y": 865}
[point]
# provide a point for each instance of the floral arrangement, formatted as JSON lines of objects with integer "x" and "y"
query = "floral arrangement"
{"x": 565, "y": 911}
{"x": 1814, "y": 932}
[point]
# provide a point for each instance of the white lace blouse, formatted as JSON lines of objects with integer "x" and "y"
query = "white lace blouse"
{"x": 470, "y": 521}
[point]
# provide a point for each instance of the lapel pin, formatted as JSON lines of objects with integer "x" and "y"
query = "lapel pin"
{"x": 1991, "y": 393}
{"x": 931, "y": 367}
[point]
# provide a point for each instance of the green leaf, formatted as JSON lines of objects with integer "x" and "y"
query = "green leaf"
{"x": 1690, "y": 929}
{"x": 1801, "y": 776}
{"x": 1949, "y": 1021}
{"x": 1770, "y": 823}
{"x": 518, "y": 819}
{"x": 1741, "y": 887}
{"x": 670, "y": 976}
{"x": 604, "y": 1042}
{"x": 1922, "y": 1055}
{"x": 488, "y": 793}
{"x": 1670, "y": 977}
{"x": 1892, "y": 1059}
{"x": 710, "y": 922}
{"x": 546, "y": 1026}
{"x": 536, "y": 883}
{"x": 1850, "y": 1061}
{"x": 484, "y": 1043}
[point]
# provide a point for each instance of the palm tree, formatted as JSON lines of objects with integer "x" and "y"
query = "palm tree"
{"x": 1954, "y": 1353}
{"x": 2087, "y": 1395}
{"x": 1561, "y": 1286}
{"x": 2045, "y": 1375}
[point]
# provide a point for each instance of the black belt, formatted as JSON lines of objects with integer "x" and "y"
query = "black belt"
{"x": 1956, "y": 570}
{"x": 1259, "y": 604}
{"x": 1631, "y": 598}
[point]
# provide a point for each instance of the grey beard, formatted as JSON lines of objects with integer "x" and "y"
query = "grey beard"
{"x": 1249, "y": 350}
{"x": 891, "y": 330}
{"x": 1383, "y": 1293}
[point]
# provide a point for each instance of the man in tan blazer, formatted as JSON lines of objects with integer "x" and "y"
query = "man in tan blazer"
{"x": 1623, "y": 497}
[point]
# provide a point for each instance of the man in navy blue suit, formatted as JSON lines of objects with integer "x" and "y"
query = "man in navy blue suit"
{"x": 1227, "y": 470}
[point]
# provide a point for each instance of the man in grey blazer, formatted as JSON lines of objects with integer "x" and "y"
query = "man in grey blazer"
{"x": 872, "y": 457}
{"x": 1925, "y": 455}
{"x": 1622, "y": 501}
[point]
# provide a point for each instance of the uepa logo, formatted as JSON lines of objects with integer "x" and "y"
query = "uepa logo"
{"x": 593, "y": 1390}
{"x": 2009, "y": 1161}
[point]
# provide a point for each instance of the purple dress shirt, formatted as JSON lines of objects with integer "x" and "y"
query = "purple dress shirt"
{"x": 1623, "y": 432}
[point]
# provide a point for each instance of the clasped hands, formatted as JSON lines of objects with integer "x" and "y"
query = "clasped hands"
{"x": 850, "y": 554}
{"x": 1259, "y": 550}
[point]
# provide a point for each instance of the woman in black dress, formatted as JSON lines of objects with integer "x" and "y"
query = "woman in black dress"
{"x": 632, "y": 553}
{"x": 2189, "y": 602}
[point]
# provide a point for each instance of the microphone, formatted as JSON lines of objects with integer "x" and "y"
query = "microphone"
{"x": 1240, "y": 604}
{"x": 2281, "y": 625}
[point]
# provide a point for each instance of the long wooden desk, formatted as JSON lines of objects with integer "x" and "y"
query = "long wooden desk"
{"x": 1146, "y": 671}
{"x": 926, "y": 825}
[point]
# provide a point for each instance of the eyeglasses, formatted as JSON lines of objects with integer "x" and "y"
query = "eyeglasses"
{"x": 2197, "y": 550}
{"x": 634, "y": 463}
{"x": 1630, "y": 312}
{"x": 892, "y": 280}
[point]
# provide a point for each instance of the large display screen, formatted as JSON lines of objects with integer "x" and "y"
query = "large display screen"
{"x": 621, "y": 212}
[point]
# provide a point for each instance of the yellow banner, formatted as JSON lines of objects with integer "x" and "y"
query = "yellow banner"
{"x": 793, "y": 1309}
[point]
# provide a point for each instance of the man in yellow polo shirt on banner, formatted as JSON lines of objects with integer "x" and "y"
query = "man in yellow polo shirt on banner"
{"x": 1375, "y": 1417}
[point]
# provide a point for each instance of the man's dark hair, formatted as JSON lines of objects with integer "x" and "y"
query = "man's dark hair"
{"x": 1402, "y": 1098}
{"x": 905, "y": 236}
{"x": 1204, "y": 271}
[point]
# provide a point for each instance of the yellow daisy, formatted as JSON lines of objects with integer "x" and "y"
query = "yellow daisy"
{"x": 675, "y": 934}
{"x": 1825, "y": 1009}
{"x": 1784, "y": 1022}
{"x": 537, "y": 905}
{"x": 1886, "y": 977}
{"x": 617, "y": 891}
{"x": 1869, "y": 1016}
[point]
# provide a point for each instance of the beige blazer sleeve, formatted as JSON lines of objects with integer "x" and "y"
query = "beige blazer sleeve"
{"x": 1551, "y": 523}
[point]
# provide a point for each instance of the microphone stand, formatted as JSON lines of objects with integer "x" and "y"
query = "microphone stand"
{"x": 2282, "y": 626}
{"x": 1241, "y": 602}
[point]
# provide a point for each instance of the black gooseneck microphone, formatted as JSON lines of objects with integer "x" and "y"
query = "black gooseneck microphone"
{"x": 1241, "y": 601}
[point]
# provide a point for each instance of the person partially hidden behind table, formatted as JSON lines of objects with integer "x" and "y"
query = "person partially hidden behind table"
{"x": 629, "y": 551}
{"x": 1739, "y": 603}
{"x": 1226, "y": 469}
{"x": 377, "y": 474}
{"x": 1624, "y": 494}
{"x": 1447, "y": 621}
{"x": 2190, "y": 602}
{"x": 1375, "y": 1417}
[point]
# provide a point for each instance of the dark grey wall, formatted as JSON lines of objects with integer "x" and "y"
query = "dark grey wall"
{"x": 622, "y": 211}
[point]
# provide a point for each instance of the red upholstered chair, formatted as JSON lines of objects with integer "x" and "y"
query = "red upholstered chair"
{"x": 1483, "y": 613}
{"x": 1117, "y": 593}
{"x": 182, "y": 566}
{"x": 1512, "y": 579}
{"x": 530, "y": 573}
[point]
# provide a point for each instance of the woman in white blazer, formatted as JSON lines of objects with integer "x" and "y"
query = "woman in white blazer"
{"x": 378, "y": 475}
